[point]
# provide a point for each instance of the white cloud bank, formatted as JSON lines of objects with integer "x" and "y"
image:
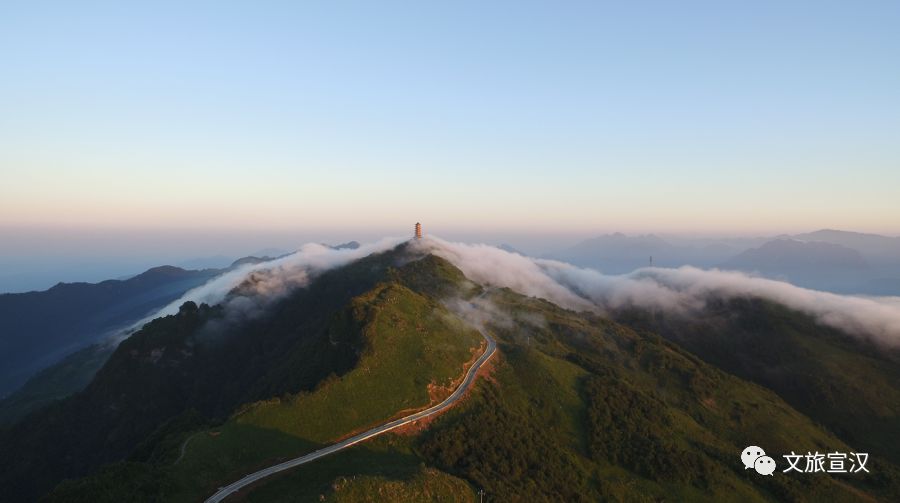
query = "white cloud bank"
{"x": 247, "y": 290}
{"x": 679, "y": 290}
{"x": 253, "y": 286}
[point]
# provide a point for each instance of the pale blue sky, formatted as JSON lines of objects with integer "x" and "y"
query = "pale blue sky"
{"x": 543, "y": 117}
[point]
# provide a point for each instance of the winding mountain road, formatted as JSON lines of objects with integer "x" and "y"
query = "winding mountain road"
{"x": 232, "y": 488}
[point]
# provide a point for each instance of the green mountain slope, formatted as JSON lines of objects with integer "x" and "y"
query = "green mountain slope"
{"x": 581, "y": 408}
{"x": 177, "y": 364}
{"x": 577, "y": 407}
{"x": 659, "y": 423}
{"x": 414, "y": 350}
{"x": 847, "y": 384}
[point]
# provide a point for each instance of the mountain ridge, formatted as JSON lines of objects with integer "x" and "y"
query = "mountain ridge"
{"x": 579, "y": 407}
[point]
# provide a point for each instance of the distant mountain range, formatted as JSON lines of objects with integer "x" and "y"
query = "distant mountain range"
{"x": 814, "y": 264}
{"x": 619, "y": 253}
{"x": 840, "y": 261}
{"x": 350, "y": 245}
{"x": 511, "y": 249}
{"x": 39, "y": 328}
{"x": 789, "y": 254}
{"x": 213, "y": 262}
{"x": 875, "y": 248}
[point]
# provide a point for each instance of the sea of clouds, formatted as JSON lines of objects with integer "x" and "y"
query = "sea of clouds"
{"x": 249, "y": 289}
{"x": 680, "y": 290}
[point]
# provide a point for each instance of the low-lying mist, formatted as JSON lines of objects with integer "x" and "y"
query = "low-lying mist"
{"x": 683, "y": 290}
{"x": 248, "y": 290}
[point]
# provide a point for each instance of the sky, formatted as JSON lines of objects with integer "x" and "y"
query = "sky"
{"x": 139, "y": 132}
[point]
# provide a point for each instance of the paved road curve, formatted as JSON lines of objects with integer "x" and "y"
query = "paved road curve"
{"x": 253, "y": 477}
